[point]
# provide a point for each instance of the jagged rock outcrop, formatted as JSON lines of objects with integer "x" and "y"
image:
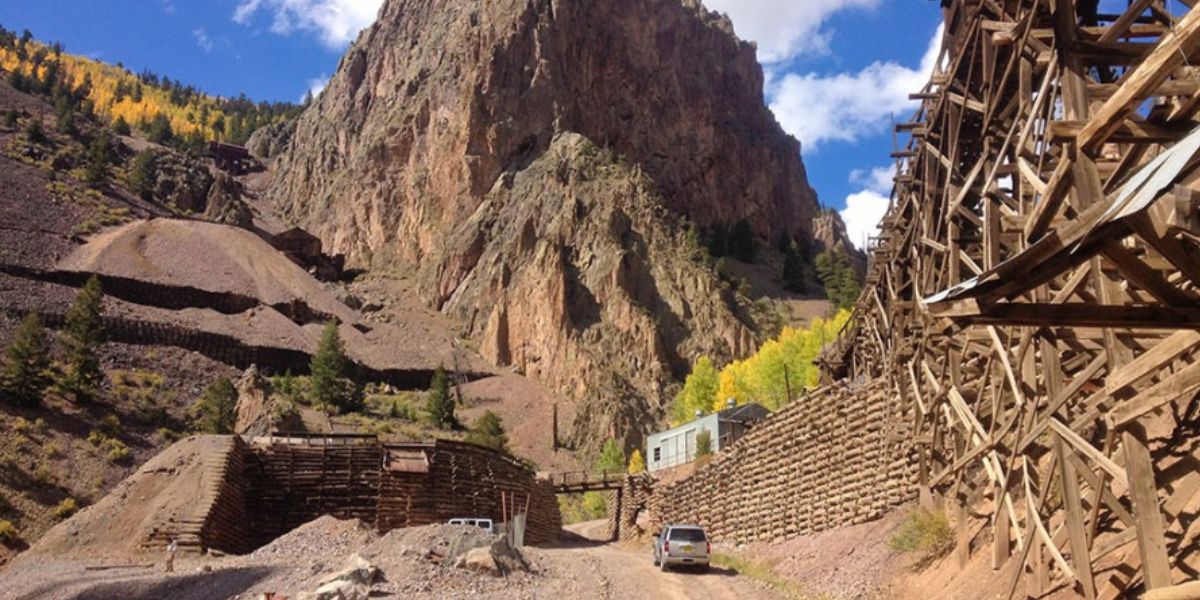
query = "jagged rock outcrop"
{"x": 268, "y": 141}
{"x": 182, "y": 182}
{"x": 259, "y": 410}
{"x": 572, "y": 271}
{"x": 437, "y": 113}
{"x": 224, "y": 203}
{"x": 829, "y": 234}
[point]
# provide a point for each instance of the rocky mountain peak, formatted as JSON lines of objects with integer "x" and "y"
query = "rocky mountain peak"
{"x": 410, "y": 154}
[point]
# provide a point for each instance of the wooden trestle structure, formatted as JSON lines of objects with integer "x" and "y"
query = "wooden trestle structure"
{"x": 1032, "y": 296}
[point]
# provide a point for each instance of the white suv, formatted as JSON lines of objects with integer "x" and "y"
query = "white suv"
{"x": 682, "y": 545}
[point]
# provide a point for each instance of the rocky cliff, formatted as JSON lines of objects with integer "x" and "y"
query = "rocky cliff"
{"x": 440, "y": 143}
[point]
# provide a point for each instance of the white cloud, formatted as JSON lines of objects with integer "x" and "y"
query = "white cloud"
{"x": 202, "y": 40}
{"x": 864, "y": 210}
{"x": 785, "y": 28}
{"x": 866, "y": 207}
{"x": 877, "y": 180}
{"x": 316, "y": 85}
{"x": 336, "y": 22}
{"x": 847, "y": 106}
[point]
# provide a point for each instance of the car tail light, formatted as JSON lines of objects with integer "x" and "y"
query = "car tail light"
{"x": 708, "y": 548}
{"x": 667, "y": 546}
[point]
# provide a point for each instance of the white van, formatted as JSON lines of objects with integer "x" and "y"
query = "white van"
{"x": 484, "y": 524}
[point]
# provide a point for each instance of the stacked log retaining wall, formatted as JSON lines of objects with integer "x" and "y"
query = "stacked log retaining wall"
{"x": 839, "y": 455}
{"x": 252, "y": 493}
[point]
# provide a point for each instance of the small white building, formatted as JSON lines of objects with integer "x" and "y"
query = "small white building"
{"x": 677, "y": 446}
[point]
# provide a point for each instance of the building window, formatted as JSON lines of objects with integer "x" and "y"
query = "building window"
{"x": 658, "y": 454}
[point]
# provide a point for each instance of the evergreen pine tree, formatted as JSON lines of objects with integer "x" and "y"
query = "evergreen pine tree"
{"x": 99, "y": 155}
{"x": 27, "y": 363}
{"x": 742, "y": 244}
{"x": 441, "y": 404}
{"x": 159, "y": 130}
{"x": 488, "y": 431}
{"x": 10, "y": 118}
{"x": 793, "y": 271}
{"x": 121, "y": 126}
{"x": 327, "y": 368}
{"x": 82, "y": 334}
{"x": 34, "y": 131}
{"x": 718, "y": 240}
{"x": 143, "y": 174}
{"x": 216, "y": 409}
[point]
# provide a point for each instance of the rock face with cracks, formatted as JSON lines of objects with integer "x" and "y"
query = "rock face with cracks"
{"x": 452, "y": 137}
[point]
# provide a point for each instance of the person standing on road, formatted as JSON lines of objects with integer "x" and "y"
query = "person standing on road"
{"x": 171, "y": 549}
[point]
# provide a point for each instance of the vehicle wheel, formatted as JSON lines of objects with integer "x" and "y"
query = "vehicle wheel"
{"x": 655, "y": 561}
{"x": 663, "y": 565}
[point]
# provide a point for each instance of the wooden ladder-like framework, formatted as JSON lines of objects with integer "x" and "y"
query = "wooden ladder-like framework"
{"x": 1033, "y": 293}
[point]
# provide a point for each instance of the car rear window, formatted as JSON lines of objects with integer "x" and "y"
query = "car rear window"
{"x": 686, "y": 535}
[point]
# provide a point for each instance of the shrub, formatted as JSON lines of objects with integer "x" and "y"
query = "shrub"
{"x": 637, "y": 464}
{"x": 42, "y": 475}
{"x": 166, "y": 435}
{"x": 53, "y": 450}
{"x": 703, "y": 444}
{"x": 10, "y": 119}
{"x": 291, "y": 387}
{"x": 612, "y": 457}
{"x": 111, "y": 426}
{"x": 8, "y": 533}
{"x": 925, "y": 532}
{"x": 66, "y": 508}
{"x": 488, "y": 431}
{"x": 115, "y": 450}
{"x": 216, "y": 409}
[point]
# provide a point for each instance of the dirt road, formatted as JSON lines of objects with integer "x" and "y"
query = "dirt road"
{"x": 579, "y": 567}
{"x": 602, "y": 570}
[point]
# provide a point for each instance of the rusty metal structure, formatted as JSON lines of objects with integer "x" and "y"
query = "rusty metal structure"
{"x": 1032, "y": 295}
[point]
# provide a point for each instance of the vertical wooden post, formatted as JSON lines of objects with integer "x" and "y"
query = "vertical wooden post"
{"x": 1000, "y": 535}
{"x": 1144, "y": 492}
{"x": 1080, "y": 558}
{"x": 924, "y": 497}
{"x": 962, "y": 546}
{"x": 1041, "y": 574}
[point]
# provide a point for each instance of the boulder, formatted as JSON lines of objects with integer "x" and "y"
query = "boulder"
{"x": 352, "y": 583}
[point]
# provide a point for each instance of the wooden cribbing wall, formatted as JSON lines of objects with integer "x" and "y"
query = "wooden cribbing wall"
{"x": 1032, "y": 301}
{"x": 836, "y": 456}
{"x": 258, "y": 490}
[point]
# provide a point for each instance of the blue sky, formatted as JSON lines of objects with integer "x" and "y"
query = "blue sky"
{"x": 837, "y": 69}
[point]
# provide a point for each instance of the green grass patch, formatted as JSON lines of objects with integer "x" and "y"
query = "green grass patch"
{"x": 925, "y": 533}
